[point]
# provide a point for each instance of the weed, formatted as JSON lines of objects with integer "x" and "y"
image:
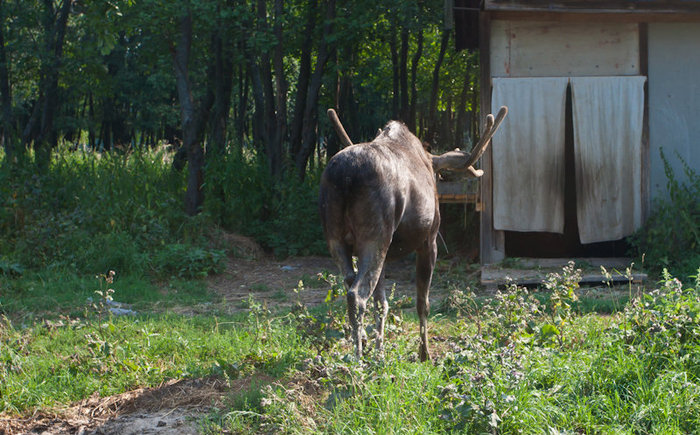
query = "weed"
{"x": 260, "y": 287}
{"x": 562, "y": 288}
{"x": 10, "y": 268}
{"x": 511, "y": 315}
{"x": 671, "y": 236}
{"x": 187, "y": 261}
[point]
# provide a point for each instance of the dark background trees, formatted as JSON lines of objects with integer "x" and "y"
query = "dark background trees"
{"x": 216, "y": 77}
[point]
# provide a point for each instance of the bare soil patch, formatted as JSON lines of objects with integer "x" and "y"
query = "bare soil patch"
{"x": 274, "y": 281}
{"x": 166, "y": 409}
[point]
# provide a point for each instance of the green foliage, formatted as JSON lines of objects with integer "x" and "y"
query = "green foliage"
{"x": 633, "y": 372}
{"x": 8, "y": 268}
{"x": 664, "y": 324}
{"x": 511, "y": 315}
{"x": 187, "y": 261}
{"x": 282, "y": 215}
{"x": 91, "y": 212}
{"x": 671, "y": 237}
{"x": 562, "y": 288}
{"x": 609, "y": 377}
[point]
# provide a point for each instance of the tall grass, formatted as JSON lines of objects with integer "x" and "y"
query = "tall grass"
{"x": 91, "y": 212}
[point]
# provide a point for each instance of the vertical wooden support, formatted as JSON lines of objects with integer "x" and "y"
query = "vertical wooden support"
{"x": 492, "y": 242}
{"x": 646, "y": 168}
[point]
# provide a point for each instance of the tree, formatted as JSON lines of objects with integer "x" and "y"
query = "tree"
{"x": 212, "y": 77}
{"x": 191, "y": 117}
{"x": 40, "y": 127}
{"x": 7, "y": 130}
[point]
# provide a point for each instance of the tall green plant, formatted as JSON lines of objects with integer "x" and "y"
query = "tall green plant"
{"x": 671, "y": 237}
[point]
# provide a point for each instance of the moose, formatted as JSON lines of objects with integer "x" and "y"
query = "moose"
{"x": 378, "y": 201}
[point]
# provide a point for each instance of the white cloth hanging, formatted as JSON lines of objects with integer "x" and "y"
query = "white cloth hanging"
{"x": 608, "y": 115}
{"x": 528, "y": 154}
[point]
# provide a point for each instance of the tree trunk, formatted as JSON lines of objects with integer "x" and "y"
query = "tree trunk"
{"x": 403, "y": 76}
{"x": 432, "y": 110}
{"x": 414, "y": 91}
{"x": 40, "y": 128}
{"x": 221, "y": 80}
{"x": 345, "y": 103}
{"x": 241, "y": 114}
{"x": 311, "y": 110}
{"x": 192, "y": 119}
{"x": 280, "y": 108}
{"x": 394, "y": 72}
{"x": 259, "y": 131}
{"x": 8, "y": 134}
{"x": 302, "y": 82}
{"x": 273, "y": 143}
{"x": 462, "y": 110}
{"x": 91, "y": 122}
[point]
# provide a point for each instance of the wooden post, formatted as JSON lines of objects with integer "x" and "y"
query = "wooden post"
{"x": 492, "y": 242}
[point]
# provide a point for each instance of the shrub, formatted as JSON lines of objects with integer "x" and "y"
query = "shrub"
{"x": 187, "y": 261}
{"x": 282, "y": 215}
{"x": 671, "y": 237}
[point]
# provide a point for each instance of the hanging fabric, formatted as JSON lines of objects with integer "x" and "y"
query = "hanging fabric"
{"x": 608, "y": 113}
{"x": 528, "y": 154}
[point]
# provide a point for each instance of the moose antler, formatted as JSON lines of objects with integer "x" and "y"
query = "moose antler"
{"x": 459, "y": 161}
{"x": 344, "y": 138}
{"x": 456, "y": 160}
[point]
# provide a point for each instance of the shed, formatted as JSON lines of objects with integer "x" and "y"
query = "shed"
{"x": 596, "y": 90}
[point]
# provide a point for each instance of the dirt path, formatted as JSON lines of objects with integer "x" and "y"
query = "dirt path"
{"x": 274, "y": 281}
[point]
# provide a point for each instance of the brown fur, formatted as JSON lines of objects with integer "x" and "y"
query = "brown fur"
{"x": 378, "y": 201}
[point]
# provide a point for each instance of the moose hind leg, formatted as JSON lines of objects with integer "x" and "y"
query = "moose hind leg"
{"x": 425, "y": 263}
{"x": 381, "y": 310}
{"x": 371, "y": 263}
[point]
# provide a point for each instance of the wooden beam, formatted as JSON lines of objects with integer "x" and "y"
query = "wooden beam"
{"x": 597, "y": 6}
{"x": 646, "y": 165}
{"x": 492, "y": 246}
{"x": 592, "y": 16}
{"x": 457, "y": 198}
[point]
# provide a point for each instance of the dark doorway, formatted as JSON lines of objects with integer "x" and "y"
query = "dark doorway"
{"x": 554, "y": 245}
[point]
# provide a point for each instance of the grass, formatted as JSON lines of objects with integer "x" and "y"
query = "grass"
{"x": 68, "y": 359}
{"x": 556, "y": 360}
{"x": 502, "y": 364}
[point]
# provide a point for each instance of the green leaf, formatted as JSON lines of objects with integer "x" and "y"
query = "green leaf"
{"x": 548, "y": 330}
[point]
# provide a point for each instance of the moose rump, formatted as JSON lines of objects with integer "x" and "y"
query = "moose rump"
{"x": 378, "y": 200}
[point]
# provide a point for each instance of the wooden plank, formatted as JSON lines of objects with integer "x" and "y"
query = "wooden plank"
{"x": 533, "y": 271}
{"x": 503, "y": 277}
{"x": 465, "y": 198}
{"x": 589, "y": 6}
{"x": 555, "y": 49}
{"x": 596, "y": 17}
